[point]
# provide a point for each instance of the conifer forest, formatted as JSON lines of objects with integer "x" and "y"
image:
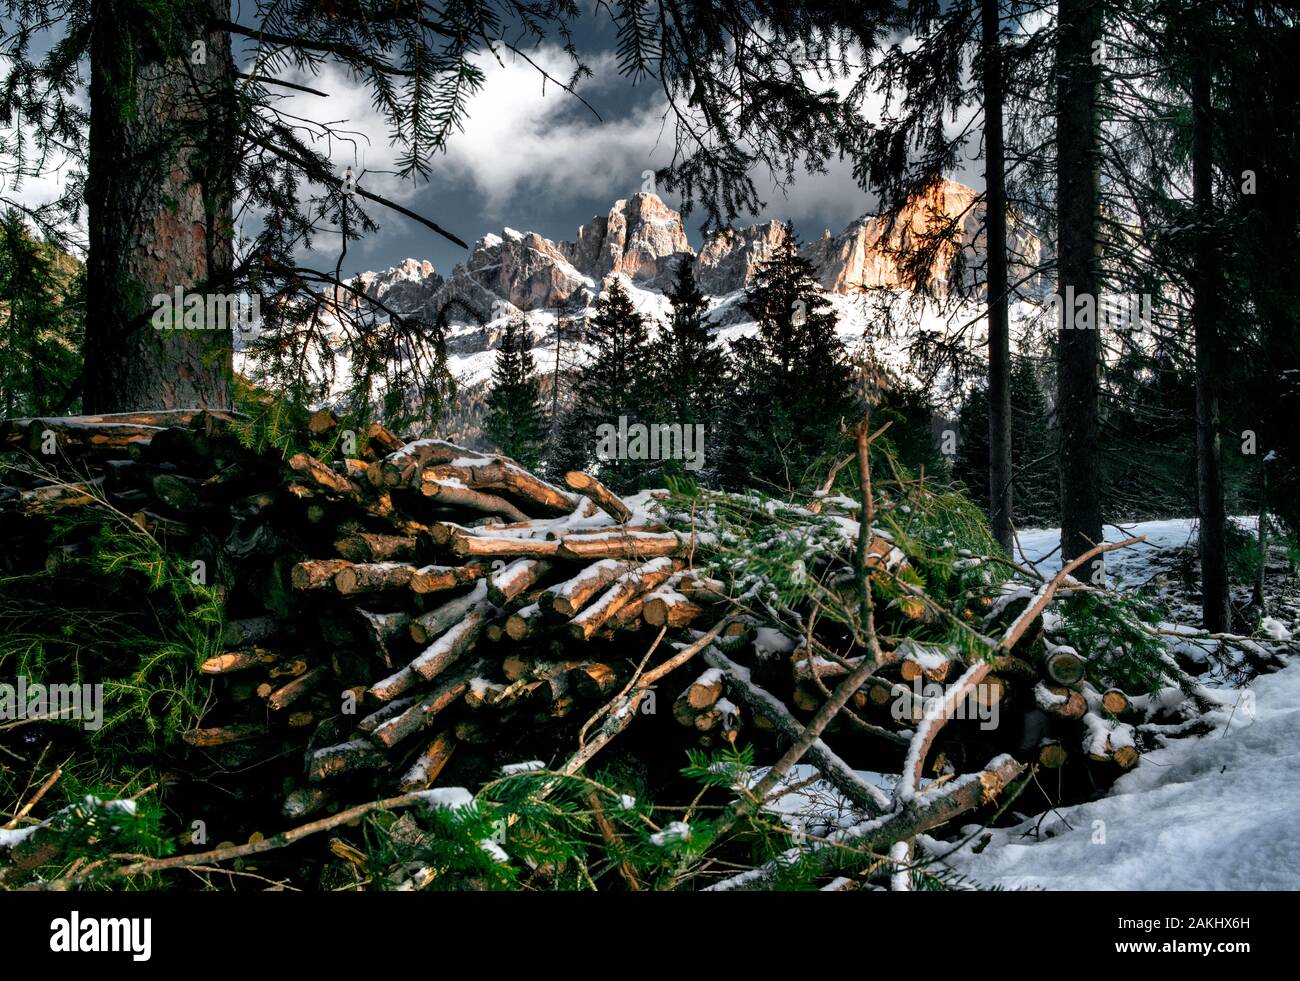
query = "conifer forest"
{"x": 691, "y": 445}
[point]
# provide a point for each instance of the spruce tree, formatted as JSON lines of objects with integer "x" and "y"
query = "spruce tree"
{"x": 514, "y": 413}
{"x": 793, "y": 383}
{"x": 691, "y": 371}
{"x": 40, "y": 332}
{"x": 616, "y": 388}
{"x": 1036, "y": 491}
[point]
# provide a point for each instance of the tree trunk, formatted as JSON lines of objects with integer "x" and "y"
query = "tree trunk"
{"x": 1078, "y": 198}
{"x": 996, "y": 238}
{"x": 1216, "y": 607}
{"x": 159, "y": 198}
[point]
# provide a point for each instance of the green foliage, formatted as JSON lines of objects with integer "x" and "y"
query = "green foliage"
{"x": 277, "y": 423}
{"x": 91, "y": 828}
{"x": 40, "y": 324}
{"x": 1107, "y": 629}
{"x": 618, "y": 382}
{"x": 1035, "y": 491}
{"x": 792, "y": 381}
{"x": 515, "y": 420}
{"x": 121, "y": 610}
{"x": 690, "y": 371}
{"x": 1244, "y": 556}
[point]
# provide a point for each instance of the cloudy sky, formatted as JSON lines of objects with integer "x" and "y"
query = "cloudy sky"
{"x": 531, "y": 157}
{"x": 534, "y": 158}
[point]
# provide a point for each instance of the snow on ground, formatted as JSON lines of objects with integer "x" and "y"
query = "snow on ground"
{"x": 1125, "y": 568}
{"x": 1220, "y": 811}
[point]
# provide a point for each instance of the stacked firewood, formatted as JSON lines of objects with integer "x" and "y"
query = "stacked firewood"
{"x": 412, "y": 601}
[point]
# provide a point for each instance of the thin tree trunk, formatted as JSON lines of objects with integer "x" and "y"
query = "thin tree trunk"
{"x": 1000, "y": 473}
{"x": 158, "y": 193}
{"x": 1216, "y": 607}
{"x": 1078, "y": 196}
{"x": 1261, "y": 601}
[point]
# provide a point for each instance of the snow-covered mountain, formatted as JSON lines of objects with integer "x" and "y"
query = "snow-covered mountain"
{"x": 642, "y": 240}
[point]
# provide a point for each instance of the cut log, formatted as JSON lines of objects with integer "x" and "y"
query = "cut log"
{"x": 452, "y": 492}
{"x": 402, "y": 468}
{"x": 385, "y": 712}
{"x": 396, "y": 684}
{"x": 373, "y": 577}
{"x": 514, "y": 579}
{"x": 427, "y": 626}
{"x": 1115, "y": 702}
{"x": 702, "y": 590}
{"x": 625, "y": 588}
{"x": 594, "y": 679}
{"x": 288, "y": 694}
{"x": 1052, "y": 754}
{"x": 622, "y": 545}
{"x": 333, "y": 761}
{"x": 436, "y": 578}
{"x": 924, "y": 662}
{"x": 704, "y": 690}
{"x": 430, "y": 764}
{"x": 367, "y": 547}
{"x": 238, "y": 661}
{"x": 1060, "y": 701}
{"x": 59, "y": 496}
{"x": 319, "y": 477}
{"x": 452, "y": 645}
{"x": 567, "y": 598}
{"x": 525, "y": 622}
{"x": 1064, "y": 666}
{"x": 225, "y": 735}
{"x": 671, "y": 608}
{"x": 476, "y": 546}
{"x": 79, "y": 432}
{"x": 601, "y": 495}
{"x": 381, "y": 441}
{"x": 317, "y": 573}
{"x": 426, "y": 710}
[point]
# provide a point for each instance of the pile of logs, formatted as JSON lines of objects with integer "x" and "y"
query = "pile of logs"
{"x": 417, "y": 605}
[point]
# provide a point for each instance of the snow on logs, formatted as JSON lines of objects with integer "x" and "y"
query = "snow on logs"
{"x": 452, "y": 598}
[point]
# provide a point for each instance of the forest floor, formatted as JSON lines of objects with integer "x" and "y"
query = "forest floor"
{"x": 1219, "y": 811}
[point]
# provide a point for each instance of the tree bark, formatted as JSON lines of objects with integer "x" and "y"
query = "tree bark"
{"x": 1216, "y": 607}
{"x": 159, "y": 198}
{"x": 995, "y": 234}
{"x": 1078, "y": 198}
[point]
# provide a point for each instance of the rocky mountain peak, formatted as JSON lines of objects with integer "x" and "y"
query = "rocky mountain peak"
{"x": 643, "y": 239}
{"x": 639, "y": 237}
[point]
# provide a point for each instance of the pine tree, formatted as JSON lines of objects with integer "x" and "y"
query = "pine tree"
{"x": 616, "y": 388}
{"x": 40, "y": 335}
{"x": 691, "y": 371}
{"x": 793, "y": 384}
{"x": 514, "y": 413}
{"x": 1078, "y": 267}
{"x": 1036, "y": 491}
